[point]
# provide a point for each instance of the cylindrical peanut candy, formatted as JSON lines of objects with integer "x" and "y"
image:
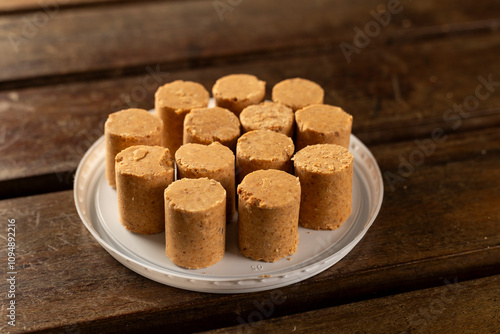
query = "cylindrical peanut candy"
{"x": 172, "y": 102}
{"x": 208, "y": 125}
{"x": 127, "y": 128}
{"x": 325, "y": 172}
{"x": 195, "y": 222}
{"x": 142, "y": 174}
{"x": 297, "y": 93}
{"x": 322, "y": 124}
{"x": 214, "y": 161}
{"x": 268, "y": 213}
{"x": 237, "y": 91}
{"x": 263, "y": 149}
{"x": 268, "y": 116}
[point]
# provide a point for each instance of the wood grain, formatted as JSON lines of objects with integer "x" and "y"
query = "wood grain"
{"x": 464, "y": 307}
{"x": 439, "y": 224}
{"x": 394, "y": 93}
{"x": 102, "y": 40}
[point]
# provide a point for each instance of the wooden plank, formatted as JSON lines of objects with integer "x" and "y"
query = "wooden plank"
{"x": 8, "y": 6}
{"x": 464, "y": 307}
{"x": 114, "y": 37}
{"x": 394, "y": 93}
{"x": 440, "y": 224}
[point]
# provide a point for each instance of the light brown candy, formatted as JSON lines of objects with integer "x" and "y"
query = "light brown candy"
{"x": 237, "y": 91}
{"x": 322, "y": 124}
{"x": 172, "y": 102}
{"x": 268, "y": 212}
{"x": 214, "y": 161}
{"x": 142, "y": 174}
{"x": 263, "y": 149}
{"x": 127, "y": 128}
{"x": 268, "y": 116}
{"x": 208, "y": 125}
{"x": 325, "y": 172}
{"x": 195, "y": 222}
{"x": 297, "y": 93}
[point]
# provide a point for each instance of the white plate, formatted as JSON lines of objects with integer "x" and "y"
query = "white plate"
{"x": 96, "y": 204}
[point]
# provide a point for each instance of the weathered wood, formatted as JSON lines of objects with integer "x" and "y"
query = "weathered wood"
{"x": 131, "y": 35}
{"x": 440, "y": 224}
{"x": 394, "y": 93}
{"x": 464, "y": 307}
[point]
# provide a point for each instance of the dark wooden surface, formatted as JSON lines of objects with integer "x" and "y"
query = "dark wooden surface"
{"x": 436, "y": 310}
{"x": 438, "y": 230}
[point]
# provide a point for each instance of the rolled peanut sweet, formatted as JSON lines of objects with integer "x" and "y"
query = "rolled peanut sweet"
{"x": 214, "y": 161}
{"x": 142, "y": 174}
{"x": 297, "y": 93}
{"x": 208, "y": 125}
{"x": 268, "y": 213}
{"x": 195, "y": 222}
{"x": 237, "y": 91}
{"x": 172, "y": 102}
{"x": 325, "y": 174}
{"x": 263, "y": 149}
{"x": 268, "y": 116}
{"x": 322, "y": 124}
{"x": 127, "y": 128}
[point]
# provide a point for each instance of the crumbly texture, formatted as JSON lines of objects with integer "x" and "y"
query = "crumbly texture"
{"x": 268, "y": 116}
{"x": 237, "y": 91}
{"x": 214, "y": 161}
{"x": 195, "y": 222}
{"x": 127, "y": 128}
{"x": 325, "y": 172}
{"x": 297, "y": 93}
{"x": 172, "y": 102}
{"x": 263, "y": 149}
{"x": 142, "y": 174}
{"x": 323, "y": 124}
{"x": 208, "y": 125}
{"x": 268, "y": 213}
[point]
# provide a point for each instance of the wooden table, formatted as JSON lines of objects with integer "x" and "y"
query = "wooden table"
{"x": 422, "y": 80}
